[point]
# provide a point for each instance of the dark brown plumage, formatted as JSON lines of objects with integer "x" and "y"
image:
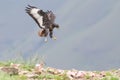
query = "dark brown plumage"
{"x": 45, "y": 20}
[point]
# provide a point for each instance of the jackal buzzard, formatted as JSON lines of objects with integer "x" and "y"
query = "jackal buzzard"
{"x": 45, "y": 20}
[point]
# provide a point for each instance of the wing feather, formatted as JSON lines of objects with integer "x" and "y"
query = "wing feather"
{"x": 34, "y": 12}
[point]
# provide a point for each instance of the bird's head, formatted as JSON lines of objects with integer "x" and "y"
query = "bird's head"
{"x": 55, "y": 25}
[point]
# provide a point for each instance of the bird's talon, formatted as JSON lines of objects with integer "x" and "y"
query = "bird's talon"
{"x": 46, "y": 40}
{"x": 54, "y": 38}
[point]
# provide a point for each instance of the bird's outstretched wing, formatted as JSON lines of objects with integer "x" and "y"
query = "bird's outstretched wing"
{"x": 51, "y": 16}
{"x": 36, "y": 14}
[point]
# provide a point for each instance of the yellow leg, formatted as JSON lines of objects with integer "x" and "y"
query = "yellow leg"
{"x": 54, "y": 38}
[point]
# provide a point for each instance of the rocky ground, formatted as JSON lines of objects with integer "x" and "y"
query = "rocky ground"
{"x": 39, "y": 72}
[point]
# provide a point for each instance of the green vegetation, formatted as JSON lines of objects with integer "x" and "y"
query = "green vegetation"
{"x": 87, "y": 76}
{"x": 28, "y": 67}
{"x": 5, "y": 76}
{"x": 56, "y": 77}
{"x": 110, "y": 76}
{"x": 47, "y": 75}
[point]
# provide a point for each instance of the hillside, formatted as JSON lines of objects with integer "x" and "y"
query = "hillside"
{"x": 12, "y": 71}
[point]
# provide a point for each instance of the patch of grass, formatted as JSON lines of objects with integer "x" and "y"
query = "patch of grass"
{"x": 114, "y": 78}
{"x": 55, "y": 77}
{"x": 23, "y": 77}
{"x": 48, "y": 76}
{"x": 87, "y": 76}
{"x": 5, "y": 63}
{"x": 64, "y": 77}
{"x": 108, "y": 74}
{"x": 27, "y": 67}
{"x": 5, "y": 76}
{"x": 110, "y": 78}
{"x": 45, "y": 76}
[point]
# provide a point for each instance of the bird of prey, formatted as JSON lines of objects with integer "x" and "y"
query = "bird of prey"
{"x": 45, "y": 20}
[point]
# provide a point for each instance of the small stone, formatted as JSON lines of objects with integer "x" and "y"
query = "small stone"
{"x": 23, "y": 72}
{"x": 80, "y": 74}
{"x": 9, "y": 70}
{"x": 15, "y": 65}
{"x": 31, "y": 75}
